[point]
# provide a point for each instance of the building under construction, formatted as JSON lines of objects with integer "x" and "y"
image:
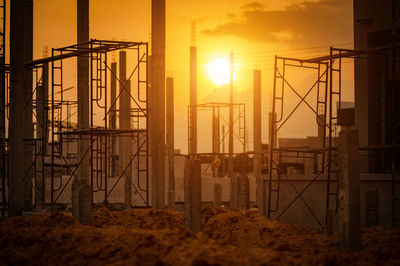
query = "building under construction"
{"x": 104, "y": 152}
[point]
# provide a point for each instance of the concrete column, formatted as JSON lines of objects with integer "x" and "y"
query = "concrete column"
{"x": 112, "y": 116}
{"x": 170, "y": 143}
{"x": 157, "y": 104}
{"x": 321, "y": 128}
{"x": 349, "y": 189}
{"x": 260, "y": 192}
{"x": 42, "y": 97}
{"x": 192, "y": 187}
{"x": 82, "y": 203}
{"x": 215, "y": 141}
{"x": 217, "y": 195}
{"x": 275, "y": 140}
{"x": 240, "y": 192}
{"x": 243, "y": 196}
{"x": 28, "y": 126}
{"x": 125, "y": 124}
{"x": 234, "y": 189}
{"x": 16, "y": 128}
{"x": 193, "y": 100}
{"x": 230, "y": 161}
{"x": 233, "y": 184}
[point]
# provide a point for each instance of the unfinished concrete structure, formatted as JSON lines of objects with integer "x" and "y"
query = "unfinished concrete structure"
{"x": 81, "y": 182}
{"x": 16, "y": 128}
{"x": 377, "y": 113}
{"x": 192, "y": 133}
{"x": 257, "y": 141}
{"x": 157, "y": 104}
{"x": 170, "y": 143}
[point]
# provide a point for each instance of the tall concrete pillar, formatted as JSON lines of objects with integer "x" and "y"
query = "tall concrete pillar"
{"x": 270, "y": 123}
{"x": 193, "y": 100}
{"x": 125, "y": 124}
{"x": 81, "y": 202}
{"x": 215, "y": 141}
{"x": 321, "y": 128}
{"x": 157, "y": 104}
{"x": 192, "y": 190}
{"x": 260, "y": 191}
{"x": 16, "y": 128}
{"x": 349, "y": 189}
{"x": 42, "y": 97}
{"x": 230, "y": 162}
{"x": 233, "y": 180}
{"x": 28, "y": 126}
{"x": 170, "y": 143}
{"x": 113, "y": 116}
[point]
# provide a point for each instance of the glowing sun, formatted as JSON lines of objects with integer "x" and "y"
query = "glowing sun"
{"x": 218, "y": 71}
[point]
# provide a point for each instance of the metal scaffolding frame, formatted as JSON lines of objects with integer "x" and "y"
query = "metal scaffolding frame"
{"x": 326, "y": 113}
{"x": 239, "y": 132}
{"x": 60, "y": 131}
{"x": 281, "y": 85}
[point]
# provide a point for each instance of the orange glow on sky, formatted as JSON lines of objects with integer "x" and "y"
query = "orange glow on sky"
{"x": 253, "y": 30}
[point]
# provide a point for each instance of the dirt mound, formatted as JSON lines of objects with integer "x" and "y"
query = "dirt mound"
{"x": 139, "y": 218}
{"x": 158, "y": 237}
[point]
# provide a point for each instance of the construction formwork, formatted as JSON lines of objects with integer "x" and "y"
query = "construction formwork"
{"x": 57, "y": 135}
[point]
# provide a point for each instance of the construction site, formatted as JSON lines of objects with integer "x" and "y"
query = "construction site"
{"x": 100, "y": 165}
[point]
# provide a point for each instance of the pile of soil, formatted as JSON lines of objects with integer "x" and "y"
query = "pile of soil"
{"x": 159, "y": 237}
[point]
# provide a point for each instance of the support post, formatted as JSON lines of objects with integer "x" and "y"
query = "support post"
{"x": 16, "y": 128}
{"x": 230, "y": 164}
{"x": 170, "y": 143}
{"x": 125, "y": 124}
{"x": 192, "y": 187}
{"x": 157, "y": 104}
{"x": 349, "y": 189}
{"x": 28, "y": 126}
{"x": 193, "y": 100}
{"x": 217, "y": 195}
{"x": 233, "y": 180}
{"x": 243, "y": 192}
{"x": 260, "y": 191}
{"x": 215, "y": 140}
{"x": 113, "y": 116}
{"x": 42, "y": 97}
{"x": 81, "y": 202}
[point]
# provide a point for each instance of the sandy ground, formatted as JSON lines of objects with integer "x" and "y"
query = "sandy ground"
{"x": 150, "y": 237}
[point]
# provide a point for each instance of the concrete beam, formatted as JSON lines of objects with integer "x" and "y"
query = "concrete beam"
{"x": 157, "y": 104}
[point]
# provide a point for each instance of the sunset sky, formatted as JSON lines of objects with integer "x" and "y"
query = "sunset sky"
{"x": 253, "y": 30}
